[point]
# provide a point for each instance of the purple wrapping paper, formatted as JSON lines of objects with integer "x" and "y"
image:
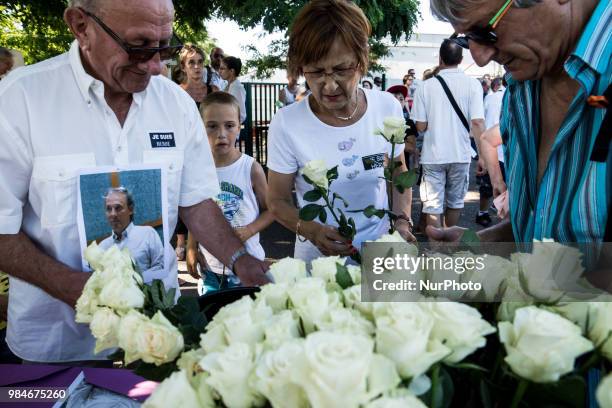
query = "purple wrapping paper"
{"x": 120, "y": 381}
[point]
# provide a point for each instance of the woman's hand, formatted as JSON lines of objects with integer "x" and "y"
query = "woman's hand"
{"x": 329, "y": 241}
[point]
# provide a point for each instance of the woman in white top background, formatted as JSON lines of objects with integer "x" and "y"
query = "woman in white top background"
{"x": 230, "y": 71}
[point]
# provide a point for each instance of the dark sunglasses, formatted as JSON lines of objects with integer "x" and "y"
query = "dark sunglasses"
{"x": 483, "y": 35}
{"x": 140, "y": 54}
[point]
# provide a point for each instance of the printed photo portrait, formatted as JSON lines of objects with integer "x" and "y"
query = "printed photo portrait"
{"x": 126, "y": 208}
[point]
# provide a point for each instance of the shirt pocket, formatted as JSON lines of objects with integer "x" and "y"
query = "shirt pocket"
{"x": 172, "y": 161}
{"x": 53, "y": 187}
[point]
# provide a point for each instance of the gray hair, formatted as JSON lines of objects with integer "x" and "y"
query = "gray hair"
{"x": 450, "y": 10}
{"x": 129, "y": 197}
{"x": 89, "y": 5}
{"x": 5, "y": 54}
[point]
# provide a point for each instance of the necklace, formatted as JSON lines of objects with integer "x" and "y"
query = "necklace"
{"x": 347, "y": 118}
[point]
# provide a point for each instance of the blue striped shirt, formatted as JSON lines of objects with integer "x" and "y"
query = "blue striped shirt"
{"x": 571, "y": 203}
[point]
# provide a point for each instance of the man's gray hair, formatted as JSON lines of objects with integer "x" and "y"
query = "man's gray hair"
{"x": 5, "y": 54}
{"x": 89, "y": 5}
{"x": 452, "y": 10}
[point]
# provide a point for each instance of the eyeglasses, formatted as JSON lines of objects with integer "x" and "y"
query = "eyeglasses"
{"x": 486, "y": 35}
{"x": 338, "y": 75}
{"x": 139, "y": 55}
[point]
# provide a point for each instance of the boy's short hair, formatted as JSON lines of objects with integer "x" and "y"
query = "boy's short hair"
{"x": 233, "y": 63}
{"x": 219, "y": 98}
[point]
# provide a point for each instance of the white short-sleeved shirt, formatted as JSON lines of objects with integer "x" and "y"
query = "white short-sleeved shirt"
{"x": 493, "y": 106}
{"x": 144, "y": 245}
{"x": 237, "y": 90}
{"x": 54, "y": 120}
{"x": 297, "y": 136}
{"x": 446, "y": 140}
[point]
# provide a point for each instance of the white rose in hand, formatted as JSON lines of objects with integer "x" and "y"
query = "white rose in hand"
{"x": 104, "y": 326}
{"x": 158, "y": 341}
{"x": 541, "y": 345}
{"x": 272, "y": 376}
{"x": 93, "y": 255}
{"x": 174, "y": 391}
{"x": 403, "y": 335}
{"x": 459, "y": 327}
{"x": 129, "y": 325}
{"x": 604, "y": 392}
{"x": 316, "y": 171}
{"x": 394, "y": 129}
{"x": 336, "y": 369}
{"x": 230, "y": 371}
{"x": 122, "y": 293}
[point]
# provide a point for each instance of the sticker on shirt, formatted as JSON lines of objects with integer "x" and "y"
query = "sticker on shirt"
{"x": 349, "y": 161}
{"x": 352, "y": 174}
{"x": 162, "y": 139}
{"x": 347, "y": 145}
{"x": 373, "y": 161}
{"x": 126, "y": 207}
{"x": 230, "y": 201}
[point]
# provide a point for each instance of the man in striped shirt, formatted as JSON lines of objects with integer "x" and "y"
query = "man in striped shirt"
{"x": 557, "y": 54}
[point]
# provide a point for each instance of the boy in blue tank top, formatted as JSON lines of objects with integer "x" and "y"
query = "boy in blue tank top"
{"x": 242, "y": 199}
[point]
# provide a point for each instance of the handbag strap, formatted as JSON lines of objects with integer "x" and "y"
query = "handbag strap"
{"x": 454, "y": 103}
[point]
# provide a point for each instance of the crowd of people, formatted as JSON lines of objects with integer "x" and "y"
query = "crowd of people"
{"x": 537, "y": 149}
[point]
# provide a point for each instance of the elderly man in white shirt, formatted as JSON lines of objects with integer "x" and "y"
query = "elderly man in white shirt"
{"x": 111, "y": 110}
{"x": 142, "y": 241}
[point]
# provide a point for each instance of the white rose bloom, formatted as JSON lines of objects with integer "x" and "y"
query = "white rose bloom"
{"x": 213, "y": 339}
{"x": 325, "y": 268}
{"x": 394, "y": 129}
{"x": 600, "y": 330}
{"x": 229, "y": 371}
{"x": 459, "y": 327}
{"x": 352, "y": 299}
{"x": 311, "y": 301}
{"x": 541, "y": 345}
{"x": 104, "y": 327}
{"x": 129, "y": 325}
{"x": 174, "y": 391}
{"x": 403, "y": 335}
{"x": 242, "y": 321}
{"x": 274, "y": 295}
{"x": 399, "y": 398}
{"x": 336, "y": 369}
{"x": 281, "y": 328}
{"x": 288, "y": 270}
{"x": 492, "y": 277}
{"x": 580, "y": 313}
{"x": 114, "y": 258}
{"x": 189, "y": 361}
{"x": 88, "y": 302}
{"x": 272, "y": 376}
{"x": 604, "y": 392}
{"x": 355, "y": 272}
{"x": 158, "y": 341}
{"x": 93, "y": 255}
{"x": 316, "y": 171}
{"x": 345, "y": 321}
{"x": 122, "y": 294}
{"x": 395, "y": 237}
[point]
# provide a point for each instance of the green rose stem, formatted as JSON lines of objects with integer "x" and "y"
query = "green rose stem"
{"x": 356, "y": 256}
{"x": 390, "y": 181}
{"x": 519, "y": 393}
{"x": 435, "y": 379}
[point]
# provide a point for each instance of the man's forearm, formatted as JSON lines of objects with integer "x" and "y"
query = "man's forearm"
{"x": 501, "y": 232}
{"x": 210, "y": 228}
{"x": 478, "y": 128}
{"x": 20, "y": 258}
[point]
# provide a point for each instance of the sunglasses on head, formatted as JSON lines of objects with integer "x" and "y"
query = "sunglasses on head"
{"x": 140, "y": 54}
{"x": 483, "y": 35}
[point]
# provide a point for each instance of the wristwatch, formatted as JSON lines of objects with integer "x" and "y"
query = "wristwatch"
{"x": 235, "y": 256}
{"x": 403, "y": 217}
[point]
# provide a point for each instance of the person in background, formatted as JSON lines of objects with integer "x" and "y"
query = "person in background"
{"x": 411, "y": 86}
{"x": 400, "y": 92}
{"x": 6, "y": 61}
{"x": 446, "y": 147}
{"x": 366, "y": 84}
{"x": 191, "y": 61}
{"x": 378, "y": 83}
{"x": 242, "y": 199}
{"x": 230, "y": 71}
{"x": 214, "y": 81}
{"x": 290, "y": 92}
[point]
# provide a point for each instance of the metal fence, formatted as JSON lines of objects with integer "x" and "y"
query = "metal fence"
{"x": 261, "y": 105}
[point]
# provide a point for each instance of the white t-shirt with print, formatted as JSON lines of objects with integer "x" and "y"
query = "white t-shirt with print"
{"x": 297, "y": 136}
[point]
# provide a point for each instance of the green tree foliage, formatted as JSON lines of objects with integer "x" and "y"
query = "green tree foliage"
{"x": 36, "y": 27}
